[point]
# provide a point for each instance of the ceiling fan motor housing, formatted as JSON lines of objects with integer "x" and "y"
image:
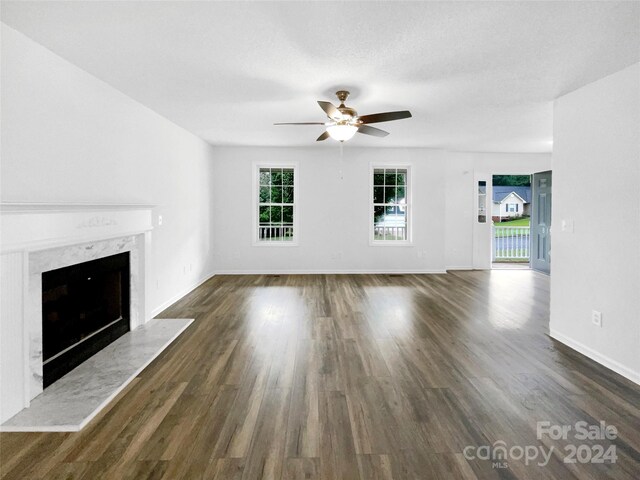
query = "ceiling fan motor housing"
{"x": 348, "y": 113}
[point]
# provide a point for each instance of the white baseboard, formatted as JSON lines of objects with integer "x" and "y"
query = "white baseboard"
{"x": 179, "y": 295}
{"x": 328, "y": 272}
{"x": 460, "y": 267}
{"x": 611, "y": 364}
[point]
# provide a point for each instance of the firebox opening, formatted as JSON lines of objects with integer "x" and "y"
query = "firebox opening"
{"x": 85, "y": 307}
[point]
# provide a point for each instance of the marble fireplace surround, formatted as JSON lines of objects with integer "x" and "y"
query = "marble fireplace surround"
{"x": 41, "y": 237}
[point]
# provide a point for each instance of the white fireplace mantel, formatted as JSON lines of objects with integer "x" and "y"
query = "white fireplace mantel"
{"x": 35, "y": 226}
{"x": 39, "y": 237}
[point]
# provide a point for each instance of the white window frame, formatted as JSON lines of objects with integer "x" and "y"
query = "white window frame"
{"x": 409, "y": 206}
{"x": 256, "y": 203}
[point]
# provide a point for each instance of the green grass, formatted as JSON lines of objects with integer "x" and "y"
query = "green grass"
{"x": 520, "y": 222}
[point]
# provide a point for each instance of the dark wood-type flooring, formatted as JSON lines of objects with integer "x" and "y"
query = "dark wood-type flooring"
{"x": 348, "y": 377}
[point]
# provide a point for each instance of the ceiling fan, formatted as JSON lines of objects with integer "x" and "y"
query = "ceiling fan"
{"x": 344, "y": 121}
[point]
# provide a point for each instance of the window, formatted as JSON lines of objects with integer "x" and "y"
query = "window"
{"x": 390, "y": 202}
{"x": 512, "y": 207}
{"x": 482, "y": 201}
{"x": 276, "y": 205}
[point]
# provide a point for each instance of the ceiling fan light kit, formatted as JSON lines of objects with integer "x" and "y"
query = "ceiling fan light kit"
{"x": 342, "y": 131}
{"x": 344, "y": 121}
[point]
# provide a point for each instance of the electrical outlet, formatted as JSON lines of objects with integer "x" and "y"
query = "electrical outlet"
{"x": 596, "y": 318}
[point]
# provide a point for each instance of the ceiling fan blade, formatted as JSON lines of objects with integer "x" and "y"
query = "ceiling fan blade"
{"x": 300, "y": 123}
{"x": 376, "y": 132}
{"x": 385, "y": 116}
{"x": 322, "y": 137}
{"x": 331, "y": 111}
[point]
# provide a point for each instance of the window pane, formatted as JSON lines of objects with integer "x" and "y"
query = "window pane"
{"x": 287, "y": 194}
{"x": 390, "y": 210}
{"x": 378, "y": 194}
{"x": 265, "y": 215}
{"x": 400, "y": 193}
{"x": 378, "y": 176}
{"x": 287, "y": 215}
{"x": 402, "y": 177}
{"x": 378, "y": 214}
{"x": 276, "y": 194}
{"x": 276, "y": 215}
{"x": 400, "y": 226}
{"x": 389, "y": 194}
{"x": 378, "y": 223}
{"x": 264, "y": 176}
{"x": 264, "y": 194}
{"x": 390, "y": 176}
{"x": 287, "y": 176}
{"x": 276, "y": 176}
{"x": 388, "y": 233}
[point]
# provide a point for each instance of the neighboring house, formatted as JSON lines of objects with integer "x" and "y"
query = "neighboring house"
{"x": 510, "y": 202}
{"x": 394, "y": 217}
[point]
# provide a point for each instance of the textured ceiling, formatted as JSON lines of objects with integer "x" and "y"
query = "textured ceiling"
{"x": 477, "y": 76}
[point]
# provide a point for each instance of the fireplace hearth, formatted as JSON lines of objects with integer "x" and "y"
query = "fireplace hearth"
{"x": 85, "y": 307}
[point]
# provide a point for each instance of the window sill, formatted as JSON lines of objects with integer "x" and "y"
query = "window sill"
{"x": 275, "y": 244}
{"x": 390, "y": 243}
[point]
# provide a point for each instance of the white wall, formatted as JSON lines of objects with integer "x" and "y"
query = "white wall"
{"x": 69, "y": 137}
{"x": 596, "y": 170}
{"x": 442, "y": 200}
{"x": 333, "y": 212}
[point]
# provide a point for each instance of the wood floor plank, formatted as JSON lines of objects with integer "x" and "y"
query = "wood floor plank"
{"x": 337, "y": 448}
{"x": 352, "y": 377}
{"x": 301, "y": 469}
{"x": 375, "y": 467}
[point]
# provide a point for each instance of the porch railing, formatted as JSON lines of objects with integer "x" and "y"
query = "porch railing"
{"x": 275, "y": 233}
{"x": 510, "y": 243}
{"x": 381, "y": 232}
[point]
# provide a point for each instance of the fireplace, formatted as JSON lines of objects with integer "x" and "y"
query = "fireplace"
{"x": 85, "y": 307}
{"x": 38, "y": 238}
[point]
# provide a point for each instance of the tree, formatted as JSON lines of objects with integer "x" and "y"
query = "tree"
{"x": 512, "y": 180}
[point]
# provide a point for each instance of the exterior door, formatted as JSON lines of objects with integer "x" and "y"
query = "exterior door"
{"x": 541, "y": 222}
